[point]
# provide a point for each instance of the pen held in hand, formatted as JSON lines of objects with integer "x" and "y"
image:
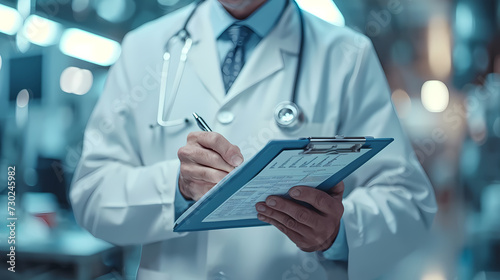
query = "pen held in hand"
{"x": 201, "y": 123}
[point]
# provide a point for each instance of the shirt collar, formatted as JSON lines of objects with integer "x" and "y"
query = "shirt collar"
{"x": 261, "y": 21}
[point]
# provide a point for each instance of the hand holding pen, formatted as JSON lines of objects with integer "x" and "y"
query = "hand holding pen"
{"x": 206, "y": 158}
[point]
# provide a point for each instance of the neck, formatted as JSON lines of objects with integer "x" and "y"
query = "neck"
{"x": 242, "y": 12}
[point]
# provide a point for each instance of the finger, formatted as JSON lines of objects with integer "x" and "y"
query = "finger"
{"x": 296, "y": 211}
{"x": 204, "y": 157}
{"x": 212, "y": 140}
{"x": 284, "y": 219}
{"x": 292, "y": 235}
{"x": 318, "y": 199}
{"x": 202, "y": 173}
{"x": 337, "y": 190}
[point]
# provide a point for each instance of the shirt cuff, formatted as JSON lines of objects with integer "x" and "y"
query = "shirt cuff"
{"x": 180, "y": 203}
{"x": 339, "y": 251}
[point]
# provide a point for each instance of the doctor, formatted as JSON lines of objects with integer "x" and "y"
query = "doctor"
{"x": 135, "y": 177}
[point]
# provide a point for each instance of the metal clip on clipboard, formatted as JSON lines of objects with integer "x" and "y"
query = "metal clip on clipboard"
{"x": 336, "y": 145}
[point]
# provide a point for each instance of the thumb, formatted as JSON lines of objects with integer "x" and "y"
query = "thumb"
{"x": 337, "y": 190}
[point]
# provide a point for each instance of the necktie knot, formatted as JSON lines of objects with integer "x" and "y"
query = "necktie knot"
{"x": 238, "y": 34}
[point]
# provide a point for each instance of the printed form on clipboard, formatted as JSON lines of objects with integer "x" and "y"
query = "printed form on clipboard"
{"x": 282, "y": 164}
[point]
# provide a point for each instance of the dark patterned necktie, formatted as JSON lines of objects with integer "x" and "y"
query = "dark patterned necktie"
{"x": 235, "y": 58}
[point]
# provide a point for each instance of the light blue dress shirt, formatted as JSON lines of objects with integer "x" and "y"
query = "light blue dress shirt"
{"x": 261, "y": 22}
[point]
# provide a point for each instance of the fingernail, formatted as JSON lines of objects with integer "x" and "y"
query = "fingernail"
{"x": 261, "y": 217}
{"x": 271, "y": 202}
{"x": 236, "y": 160}
{"x": 295, "y": 193}
{"x": 261, "y": 208}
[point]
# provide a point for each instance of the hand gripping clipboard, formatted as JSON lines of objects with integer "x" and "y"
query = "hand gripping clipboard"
{"x": 279, "y": 166}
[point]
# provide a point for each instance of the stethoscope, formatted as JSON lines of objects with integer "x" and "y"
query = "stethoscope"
{"x": 287, "y": 114}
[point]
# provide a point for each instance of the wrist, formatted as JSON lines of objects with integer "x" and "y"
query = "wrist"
{"x": 182, "y": 189}
{"x": 329, "y": 242}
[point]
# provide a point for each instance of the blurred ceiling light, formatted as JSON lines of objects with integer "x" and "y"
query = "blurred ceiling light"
{"x": 439, "y": 47}
{"x": 10, "y": 21}
{"x": 23, "y": 98}
{"x": 79, "y": 6}
{"x": 464, "y": 20}
{"x": 324, "y": 9}
{"x": 89, "y": 47}
{"x": 115, "y": 10}
{"x": 76, "y": 81}
{"x": 168, "y": 3}
{"x": 24, "y": 7}
{"x": 435, "y": 96}
{"x": 41, "y": 31}
{"x": 402, "y": 101}
{"x": 23, "y": 45}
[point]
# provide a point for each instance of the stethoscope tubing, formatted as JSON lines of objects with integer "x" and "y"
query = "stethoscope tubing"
{"x": 184, "y": 35}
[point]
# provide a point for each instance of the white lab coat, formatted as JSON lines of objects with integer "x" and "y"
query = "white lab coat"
{"x": 124, "y": 187}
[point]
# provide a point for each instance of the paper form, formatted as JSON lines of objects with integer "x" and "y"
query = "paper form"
{"x": 290, "y": 168}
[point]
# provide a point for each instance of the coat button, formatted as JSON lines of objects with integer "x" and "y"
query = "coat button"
{"x": 225, "y": 117}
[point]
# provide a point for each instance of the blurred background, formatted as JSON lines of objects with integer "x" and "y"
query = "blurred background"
{"x": 441, "y": 58}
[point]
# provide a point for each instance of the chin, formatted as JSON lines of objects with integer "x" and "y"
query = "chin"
{"x": 236, "y": 4}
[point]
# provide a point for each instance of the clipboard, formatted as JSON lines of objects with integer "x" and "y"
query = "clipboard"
{"x": 330, "y": 159}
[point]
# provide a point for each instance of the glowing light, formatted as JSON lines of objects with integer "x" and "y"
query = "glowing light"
{"x": 439, "y": 46}
{"x": 77, "y": 81}
{"x": 23, "y": 45}
{"x": 464, "y": 20}
{"x": 23, "y": 98}
{"x": 324, "y": 9}
{"x": 434, "y": 276}
{"x": 402, "y": 101}
{"x": 41, "y": 31}
{"x": 89, "y": 47}
{"x": 115, "y": 10}
{"x": 11, "y": 20}
{"x": 435, "y": 96}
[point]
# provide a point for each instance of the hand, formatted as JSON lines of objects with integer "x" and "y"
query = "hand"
{"x": 311, "y": 230}
{"x": 205, "y": 160}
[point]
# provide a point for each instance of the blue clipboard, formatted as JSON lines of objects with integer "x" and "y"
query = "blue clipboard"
{"x": 193, "y": 218}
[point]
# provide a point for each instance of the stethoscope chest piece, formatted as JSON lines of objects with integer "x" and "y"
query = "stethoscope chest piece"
{"x": 288, "y": 116}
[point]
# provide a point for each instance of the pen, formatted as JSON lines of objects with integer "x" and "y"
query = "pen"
{"x": 201, "y": 123}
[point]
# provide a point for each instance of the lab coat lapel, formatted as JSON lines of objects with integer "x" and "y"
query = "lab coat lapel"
{"x": 267, "y": 57}
{"x": 203, "y": 55}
